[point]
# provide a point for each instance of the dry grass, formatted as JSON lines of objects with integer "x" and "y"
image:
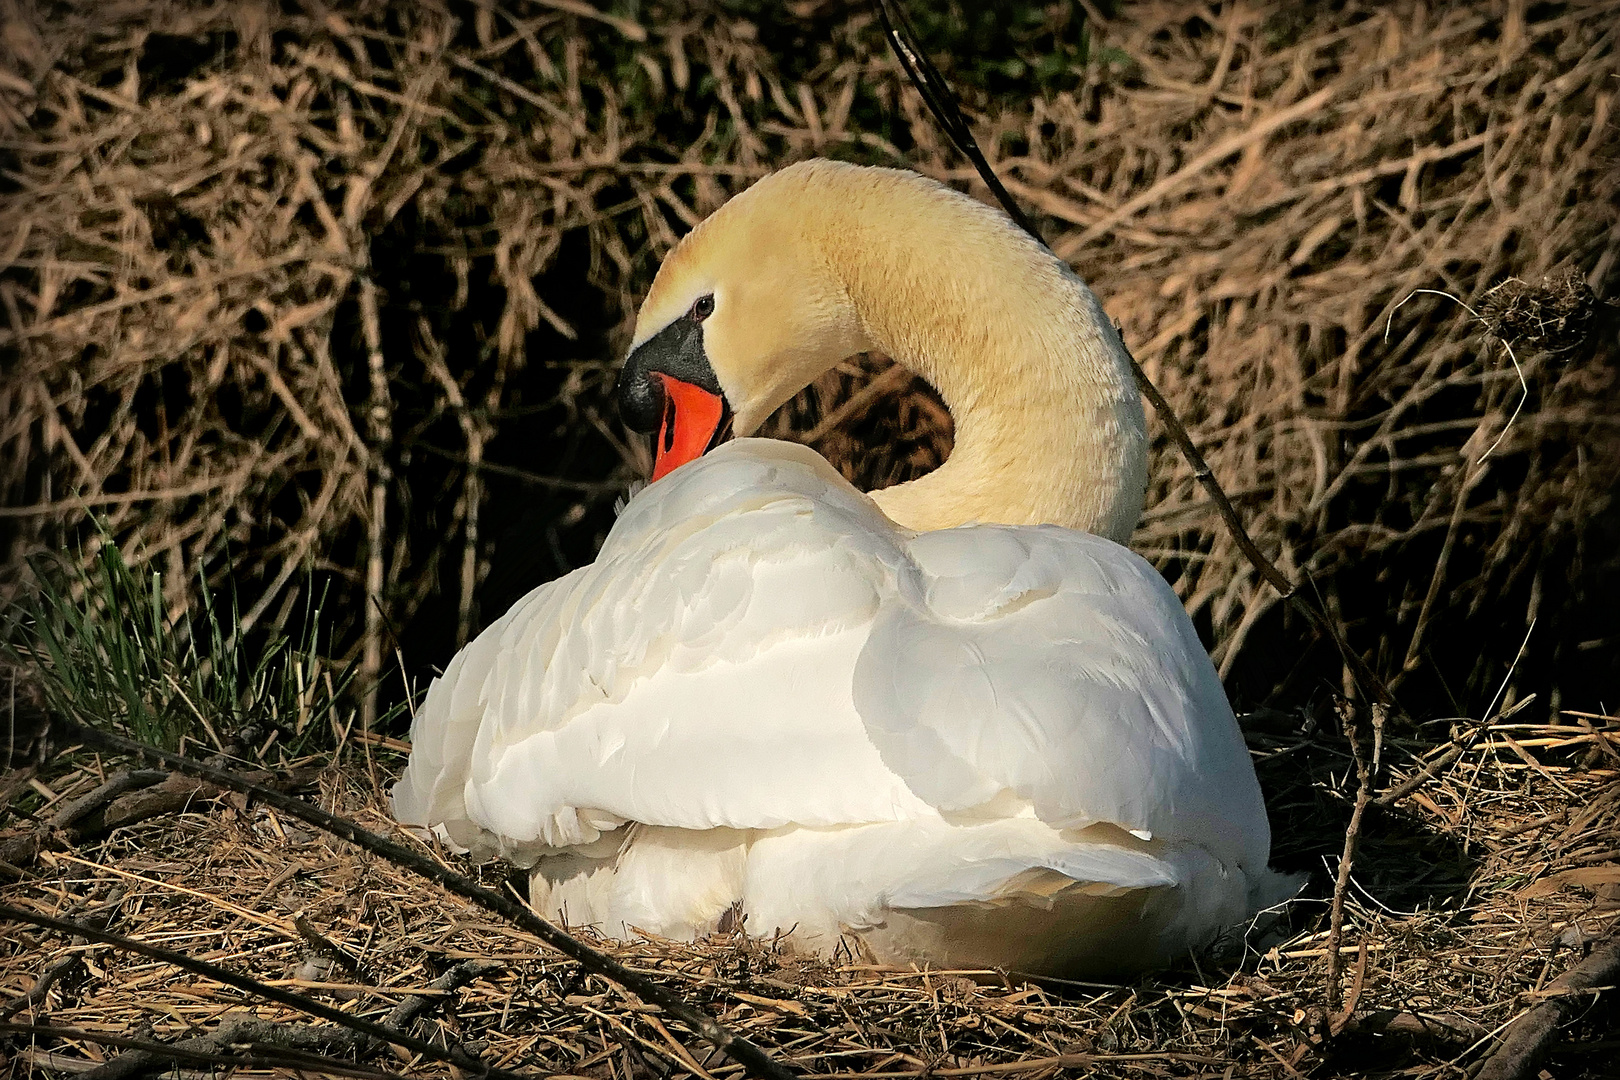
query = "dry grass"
{"x": 1325, "y": 171}
{"x": 1468, "y": 897}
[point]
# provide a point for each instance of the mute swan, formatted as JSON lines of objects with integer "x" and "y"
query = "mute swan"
{"x": 953, "y": 721}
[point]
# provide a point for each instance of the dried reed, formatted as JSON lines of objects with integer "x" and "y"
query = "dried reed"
{"x": 338, "y": 287}
{"x": 341, "y": 286}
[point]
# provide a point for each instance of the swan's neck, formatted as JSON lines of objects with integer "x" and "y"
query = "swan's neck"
{"x": 1049, "y": 425}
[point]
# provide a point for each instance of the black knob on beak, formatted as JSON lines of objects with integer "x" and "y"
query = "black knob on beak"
{"x": 641, "y": 396}
{"x": 677, "y": 351}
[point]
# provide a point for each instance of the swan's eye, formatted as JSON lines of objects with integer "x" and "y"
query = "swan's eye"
{"x": 703, "y": 308}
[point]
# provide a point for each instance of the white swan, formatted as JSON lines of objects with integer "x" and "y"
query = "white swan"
{"x": 954, "y": 721}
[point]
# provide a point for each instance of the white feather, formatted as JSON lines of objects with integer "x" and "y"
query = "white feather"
{"x": 842, "y": 725}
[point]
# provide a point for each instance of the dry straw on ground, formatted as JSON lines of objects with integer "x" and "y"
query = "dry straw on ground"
{"x": 1470, "y": 897}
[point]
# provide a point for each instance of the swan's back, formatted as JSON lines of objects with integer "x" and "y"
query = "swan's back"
{"x": 764, "y": 695}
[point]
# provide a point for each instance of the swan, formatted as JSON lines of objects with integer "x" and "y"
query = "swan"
{"x": 954, "y": 721}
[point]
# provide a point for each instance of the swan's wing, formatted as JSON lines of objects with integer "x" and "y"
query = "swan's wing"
{"x": 757, "y": 646}
{"x": 1060, "y": 668}
{"x": 444, "y": 730}
{"x": 696, "y": 675}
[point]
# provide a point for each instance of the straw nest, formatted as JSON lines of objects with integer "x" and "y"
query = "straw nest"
{"x": 1469, "y": 897}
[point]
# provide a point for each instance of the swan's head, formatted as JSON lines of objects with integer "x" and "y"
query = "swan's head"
{"x": 823, "y": 260}
{"x": 744, "y": 312}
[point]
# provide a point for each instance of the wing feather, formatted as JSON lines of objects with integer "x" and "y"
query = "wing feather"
{"x": 757, "y": 647}
{"x": 1062, "y": 668}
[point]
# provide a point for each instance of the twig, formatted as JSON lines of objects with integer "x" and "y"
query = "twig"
{"x": 1059, "y": 1061}
{"x": 330, "y": 949}
{"x": 1414, "y": 648}
{"x": 42, "y": 986}
{"x": 1338, "y": 1021}
{"x": 1527, "y": 1040}
{"x": 1222, "y": 150}
{"x": 116, "y": 785}
{"x": 1435, "y": 1027}
{"x": 1206, "y": 479}
{"x": 1508, "y": 678}
{"x": 1352, "y": 833}
{"x": 476, "y": 431}
{"x": 22, "y": 850}
{"x": 936, "y": 93}
{"x": 92, "y": 815}
{"x": 1459, "y": 746}
{"x": 185, "y": 1051}
{"x": 755, "y": 1060}
{"x": 284, "y": 1036}
{"x": 417, "y": 1004}
{"x": 379, "y": 434}
{"x": 454, "y": 1056}
{"x": 303, "y": 1040}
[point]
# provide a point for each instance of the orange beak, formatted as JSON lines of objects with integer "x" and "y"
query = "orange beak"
{"x": 691, "y": 424}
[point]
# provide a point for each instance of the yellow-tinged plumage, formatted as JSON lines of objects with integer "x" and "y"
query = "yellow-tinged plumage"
{"x": 823, "y": 260}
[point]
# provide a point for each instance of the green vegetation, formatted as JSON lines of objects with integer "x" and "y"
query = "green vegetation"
{"x": 107, "y": 652}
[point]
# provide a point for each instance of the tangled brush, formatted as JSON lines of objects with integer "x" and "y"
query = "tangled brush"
{"x": 340, "y": 290}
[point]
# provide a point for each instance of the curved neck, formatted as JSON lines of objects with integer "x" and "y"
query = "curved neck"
{"x": 1049, "y": 424}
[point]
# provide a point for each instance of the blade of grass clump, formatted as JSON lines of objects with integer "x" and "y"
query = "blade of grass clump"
{"x": 95, "y": 638}
{"x": 105, "y": 652}
{"x": 148, "y": 658}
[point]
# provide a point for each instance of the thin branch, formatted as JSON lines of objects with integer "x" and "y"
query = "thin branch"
{"x": 1459, "y": 745}
{"x": 35, "y": 997}
{"x": 1352, "y": 835}
{"x": 22, "y": 850}
{"x": 1526, "y": 1041}
{"x": 936, "y": 93}
{"x": 303, "y": 1041}
{"x": 330, "y": 949}
{"x": 135, "y": 797}
{"x": 146, "y": 1055}
{"x": 1206, "y": 478}
{"x": 379, "y": 432}
{"x": 454, "y": 1056}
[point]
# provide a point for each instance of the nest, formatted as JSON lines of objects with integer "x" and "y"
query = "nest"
{"x": 326, "y": 300}
{"x": 1496, "y": 873}
{"x": 1560, "y": 316}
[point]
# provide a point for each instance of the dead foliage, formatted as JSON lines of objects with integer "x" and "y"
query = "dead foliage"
{"x": 1470, "y": 894}
{"x": 1559, "y": 315}
{"x": 342, "y": 288}
{"x": 1264, "y": 267}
